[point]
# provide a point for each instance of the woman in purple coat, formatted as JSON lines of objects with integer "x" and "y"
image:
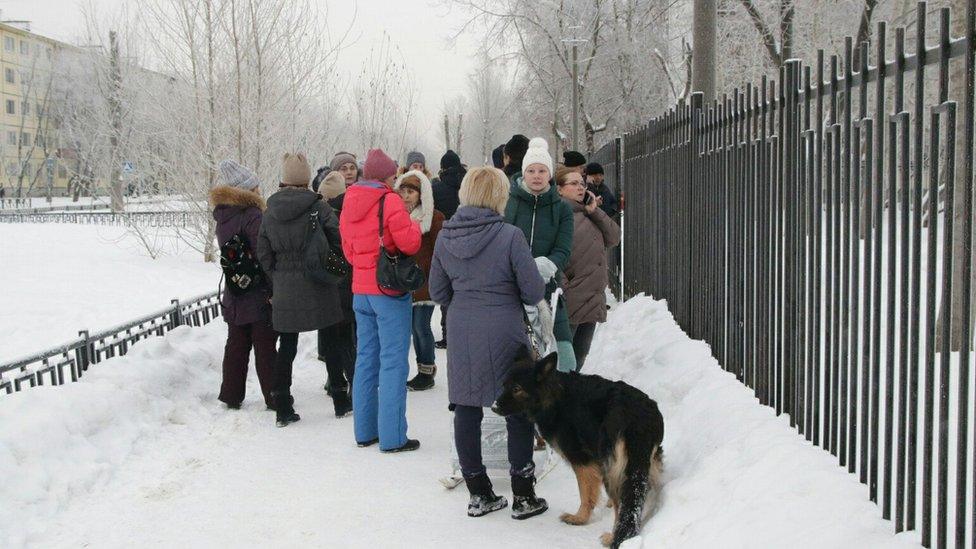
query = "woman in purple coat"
{"x": 237, "y": 208}
{"x": 483, "y": 271}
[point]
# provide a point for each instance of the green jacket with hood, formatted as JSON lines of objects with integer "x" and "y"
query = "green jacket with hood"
{"x": 547, "y": 222}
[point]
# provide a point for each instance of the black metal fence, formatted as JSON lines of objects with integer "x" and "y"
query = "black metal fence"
{"x": 70, "y": 361}
{"x": 806, "y": 228}
{"x": 149, "y": 219}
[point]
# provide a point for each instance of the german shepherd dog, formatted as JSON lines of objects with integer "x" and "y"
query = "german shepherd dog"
{"x": 609, "y": 432}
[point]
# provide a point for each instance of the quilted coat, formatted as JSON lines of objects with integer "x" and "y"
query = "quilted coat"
{"x": 298, "y": 304}
{"x": 360, "y": 231}
{"x": 586, "y": 273}
{"x": 484, "y": 272}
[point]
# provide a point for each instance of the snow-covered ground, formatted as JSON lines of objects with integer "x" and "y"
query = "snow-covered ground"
{"x": 141, "y": 453}
{"x": 57, "y": 279}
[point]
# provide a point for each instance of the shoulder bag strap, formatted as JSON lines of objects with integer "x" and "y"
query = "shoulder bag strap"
{"x": 382, "y": 203}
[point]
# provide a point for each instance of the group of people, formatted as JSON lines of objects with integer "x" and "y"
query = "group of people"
{"x": 491, "y": 241}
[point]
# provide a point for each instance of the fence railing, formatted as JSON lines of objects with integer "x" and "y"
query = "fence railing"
{"x": 806, "y": 228}
{"x": 152, "y": 218}
{"x": 70, "y": 361}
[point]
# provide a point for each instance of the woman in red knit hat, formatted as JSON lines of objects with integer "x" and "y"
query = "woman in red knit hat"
{"x": 383, "y": 322}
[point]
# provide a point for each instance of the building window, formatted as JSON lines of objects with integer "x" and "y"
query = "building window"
{"x": 25, "y": 78}
{"x": 8, "y": 75}
{"x": 25, "y": 107}
{"x": 12, "y": 138}
{"x": 11, "y": 107}
{"x": 40, "y": 110}
{"x": 27, "y": 168}
{"x": 25, "y": 139}
{"x": 8, "y": 43}
{"x": 62, "y": 172}
{"x": 39, "y": 140}
{"x": 24, "y": 48}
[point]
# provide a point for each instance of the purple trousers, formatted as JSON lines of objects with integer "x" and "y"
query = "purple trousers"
{"x": 237, "y": 352}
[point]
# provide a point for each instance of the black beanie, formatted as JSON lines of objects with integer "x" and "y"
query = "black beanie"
{"x": 572, "y": 159}
{"x": 497, "y": 159}
{"x": 516, "y": 148}
{"x": 593, "y": 168}
{"x": 450, "y": 160}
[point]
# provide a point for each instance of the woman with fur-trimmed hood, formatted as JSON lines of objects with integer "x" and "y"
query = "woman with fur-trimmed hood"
{"x": 415, "y": 189}
{"x": 238, "y": 209}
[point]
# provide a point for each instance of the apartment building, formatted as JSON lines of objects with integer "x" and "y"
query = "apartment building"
{"x": 31, "y": 158}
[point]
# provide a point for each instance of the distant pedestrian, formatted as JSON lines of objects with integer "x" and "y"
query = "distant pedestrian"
{"x": 513, "y": 153}
{"x": 445, "y": 189}
{"x": 299, "y": 304}
{"x": 383, "y": 322}
{"x": 346, "y": 164}
{"x": 498, "y": 156}
{"x": 238, "y": 209}
{"x": 587, "y": 272}
{"x": 575, "y": 161}
{"x": 415, "y": 189}
{"x": 415, "y": 161}
{"x": 607, "y": 199}
{"x": 337, "y": 343}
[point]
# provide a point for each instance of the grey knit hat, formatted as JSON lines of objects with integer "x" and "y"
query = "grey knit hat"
{"x": 342, "y": 158}
{"x": 414, "y": 156}
{"x": 235, "y": 175}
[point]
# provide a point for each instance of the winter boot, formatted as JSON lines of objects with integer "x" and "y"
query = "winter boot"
{"x": 284, "y": 409}
{"x": 483, "y": 499}
{"x": 410, "y": 445}
{"x": 424, "y": 379}
{"x": 342, "y": 403}
{"x": 442, "y": 344}
{"x": 524, "y": 502}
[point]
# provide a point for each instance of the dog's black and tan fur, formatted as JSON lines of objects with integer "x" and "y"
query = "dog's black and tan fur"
{"x": 608, "y": 431}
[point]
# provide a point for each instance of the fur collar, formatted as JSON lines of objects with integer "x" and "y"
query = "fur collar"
{"x": 424, "y": 213}
{"x": 225, "y": 195}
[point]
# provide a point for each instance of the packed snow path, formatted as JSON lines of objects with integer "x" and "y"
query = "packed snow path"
{"x": 141, "y": 453}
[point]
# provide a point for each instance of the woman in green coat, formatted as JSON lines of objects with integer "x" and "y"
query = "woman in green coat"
{"x": 547, "y": 221}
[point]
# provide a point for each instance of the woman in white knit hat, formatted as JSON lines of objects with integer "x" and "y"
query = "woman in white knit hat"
{"x": 547, "y": 221}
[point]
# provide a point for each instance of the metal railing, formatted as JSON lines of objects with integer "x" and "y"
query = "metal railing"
{"x": 152, "y": 218}
{"x": 70, "y": 361}
{"x": 806, "y": 228}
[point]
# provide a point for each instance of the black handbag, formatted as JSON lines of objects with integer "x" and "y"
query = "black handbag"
{"x": 396, "y": 273}
{"x": 323, "y": 259}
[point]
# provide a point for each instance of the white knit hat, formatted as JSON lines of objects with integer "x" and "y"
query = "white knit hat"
{"x": 538, "y": 153}
{"x": 238, "y": 176}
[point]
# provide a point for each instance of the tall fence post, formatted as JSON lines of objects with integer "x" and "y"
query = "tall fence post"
{"x": 176, "y": 317}
{"x": 618, "y": 163}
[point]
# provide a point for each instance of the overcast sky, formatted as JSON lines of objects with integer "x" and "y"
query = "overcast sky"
{"x": 421, "y": 29}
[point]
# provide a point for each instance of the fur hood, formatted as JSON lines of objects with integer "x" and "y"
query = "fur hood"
{"x": 225, "y": 195}
{"x": 425, "y": 212}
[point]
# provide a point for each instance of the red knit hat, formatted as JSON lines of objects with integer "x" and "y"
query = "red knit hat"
{"x": 378, "y": 166}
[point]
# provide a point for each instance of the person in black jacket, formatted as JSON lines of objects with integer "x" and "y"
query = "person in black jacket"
{"x": 445, "y": 189}
{"x": 607, "y": 198}
{"x": 337, "y": 343}
{"x": 448, "y": 183}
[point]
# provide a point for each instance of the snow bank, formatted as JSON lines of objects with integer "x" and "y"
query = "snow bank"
{"x": 736, "y": 475}
{"x": 57, "y": 443}
{"x": 140, "y": 453}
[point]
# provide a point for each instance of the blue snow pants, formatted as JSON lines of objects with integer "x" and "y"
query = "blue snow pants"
{"x": 379, "y": 388}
